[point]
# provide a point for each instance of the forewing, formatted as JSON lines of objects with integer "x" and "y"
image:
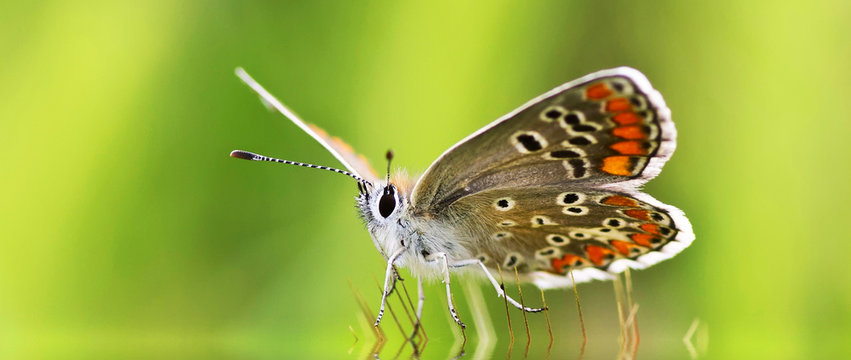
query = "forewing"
{"x": 546, "y": 231}
{"x": 353, "y": 161}
{"x": 610, "y": 127}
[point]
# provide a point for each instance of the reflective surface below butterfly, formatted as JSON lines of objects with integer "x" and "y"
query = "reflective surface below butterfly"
{"x": 549, "y": 188}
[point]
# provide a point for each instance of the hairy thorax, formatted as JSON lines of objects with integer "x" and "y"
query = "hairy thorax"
{"x": 421, "y": 237}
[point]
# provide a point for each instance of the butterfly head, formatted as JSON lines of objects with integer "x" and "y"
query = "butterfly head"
{"x": 385, "y": 209}
{"x": 384, "y": 202}
{"x": 381, "y": 203}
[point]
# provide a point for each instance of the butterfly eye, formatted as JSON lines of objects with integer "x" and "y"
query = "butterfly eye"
{"x": 387, "y": 203}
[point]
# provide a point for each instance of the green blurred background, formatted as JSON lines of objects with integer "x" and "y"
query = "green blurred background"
{"x": 127, "y": 232}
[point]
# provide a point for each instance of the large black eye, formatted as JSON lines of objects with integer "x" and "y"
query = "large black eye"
{"x": 387, "y": 203}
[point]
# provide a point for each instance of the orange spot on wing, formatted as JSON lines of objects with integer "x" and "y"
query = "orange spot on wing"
{"x": 597, "y": 254}
{"x": 627, "y": 118}
{"x": 318, "y": 130}
{"x": 367, "y": 167}
{"x": 341, "y": 145}
{"x": 618, "y": 105}
{"x": 618, "y": 165}
{"x": 617, "y": 200}
{"x": 629, "y": 148}
{"x": 651, "y": 228}
{"x": 622, "y": 246}
{"x": 566, "y": 260}
{"x": 643, "y": 239}
{"x": 638, "y": 214}
{"x": 631, "y": 132}
{"x": 598, "y": 91}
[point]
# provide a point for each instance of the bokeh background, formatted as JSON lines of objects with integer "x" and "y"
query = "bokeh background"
{"x": 127, "y": 232}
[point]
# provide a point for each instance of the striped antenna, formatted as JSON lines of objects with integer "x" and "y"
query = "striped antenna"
{"x": 389, "y": 157}
{"x": 272, "y": 103}
{"x": 239, "y": 154}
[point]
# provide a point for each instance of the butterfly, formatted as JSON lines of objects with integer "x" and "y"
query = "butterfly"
{"x": 549, "y": 189}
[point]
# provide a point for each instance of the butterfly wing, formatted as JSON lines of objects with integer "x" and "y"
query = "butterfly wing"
{"x": 353, "y": 161}
{"x": 546, "y": 231}
{"x": 607, "y": 128}
{"x": 552, "y": 185}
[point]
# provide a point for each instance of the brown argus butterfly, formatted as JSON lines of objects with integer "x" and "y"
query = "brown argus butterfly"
{"x": 550, "y": 188}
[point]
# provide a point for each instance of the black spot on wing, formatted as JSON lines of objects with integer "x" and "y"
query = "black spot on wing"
{"x": 529, "y": 142}
{"x": 561, "y": 154}
{"x": 580, "y": 140}
{"x": 578, "y": 167}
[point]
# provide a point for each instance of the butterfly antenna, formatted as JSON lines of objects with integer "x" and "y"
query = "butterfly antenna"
{"x": 273, "y": 103}
{"x": 239, "y": 154}
{"x": 389, "y": 157}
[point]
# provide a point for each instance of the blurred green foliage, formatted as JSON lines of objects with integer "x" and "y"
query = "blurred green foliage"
{"x": 127, "y": 232}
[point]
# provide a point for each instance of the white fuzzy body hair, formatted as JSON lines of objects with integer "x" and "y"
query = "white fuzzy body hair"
{"x": 420, "y": 237}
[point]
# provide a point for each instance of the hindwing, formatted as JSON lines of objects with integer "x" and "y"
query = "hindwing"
{"x": 549, "y": 230}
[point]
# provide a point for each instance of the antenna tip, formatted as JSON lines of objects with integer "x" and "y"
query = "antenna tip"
{"x": 239, "y": 154}
{"x": 389, "y": 155}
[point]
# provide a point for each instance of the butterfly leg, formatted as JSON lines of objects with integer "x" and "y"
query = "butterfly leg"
{"x": 448, "y": 290}
{"x": 421, "y": 300}
{"x": 499, "y": 289}
{"x": 389, "y": 276}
